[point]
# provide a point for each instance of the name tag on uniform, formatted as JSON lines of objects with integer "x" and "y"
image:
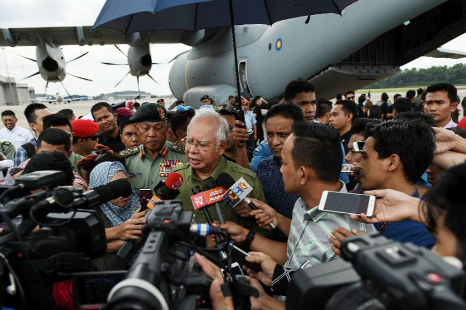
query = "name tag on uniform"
{"x": 168, "y": 165}
{"x": 135, "y": 175}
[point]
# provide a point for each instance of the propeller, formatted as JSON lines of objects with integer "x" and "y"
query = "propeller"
{"x": 30, "y": 75}
{"x": 120, "y": 50}
{"x": 69, "y": 96}
{"x": 45, "y": 91}
{"x": 153, "y": 79}
{"x": 79, "y": 77}
{"x": 25, "y": 57}
{"x": 112, "y": 64}
{"x": 122, "y": 79}
{"x": 77, "y": 57}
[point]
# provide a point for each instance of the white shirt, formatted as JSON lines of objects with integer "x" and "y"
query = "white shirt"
{"x": 17, "y": 136}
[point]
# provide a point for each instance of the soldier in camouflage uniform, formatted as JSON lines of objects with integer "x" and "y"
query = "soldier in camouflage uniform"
{"x": 151, "y": 162}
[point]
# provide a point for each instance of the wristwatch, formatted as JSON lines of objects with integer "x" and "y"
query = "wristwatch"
{"x": 249, "y": 238}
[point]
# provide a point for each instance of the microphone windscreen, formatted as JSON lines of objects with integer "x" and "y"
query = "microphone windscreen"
{"x": 105, "y": 193}
{"x": 225, "y": 180}
{"x": 210, "y": 183}
{"x": 120, "y": 188}
{"x": 174, "y": 180}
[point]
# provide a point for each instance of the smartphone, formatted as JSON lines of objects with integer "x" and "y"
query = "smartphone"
{"x": 358, "y": 146}
{"x": 235, "y": 269}
{"x": 145, "y": 194}
{"x": 347, "y": 203}
{"x": 240, "y": 257}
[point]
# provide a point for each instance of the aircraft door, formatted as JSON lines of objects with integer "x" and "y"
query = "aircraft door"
{"x": 243, "y": 78}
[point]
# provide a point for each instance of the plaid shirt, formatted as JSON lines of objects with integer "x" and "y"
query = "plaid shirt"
{"x": 21, "y": 154}
{"x": 308, "y": 243}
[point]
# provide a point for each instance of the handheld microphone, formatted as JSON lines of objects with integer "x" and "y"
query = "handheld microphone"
{"x": 237, "y": 191}
{"x": 218, "y": 192}
{"x": 166, "y": 190}
{"x": 197, "y": 190}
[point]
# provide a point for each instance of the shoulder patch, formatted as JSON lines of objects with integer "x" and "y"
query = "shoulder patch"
{"x": 176, "y": 148}
{"x": 6, "y": 143}
{"x": 130, "y": 151}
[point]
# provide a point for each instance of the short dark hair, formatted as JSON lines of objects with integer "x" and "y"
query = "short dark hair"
{"x": 420, "y": 91}
{"x": 180, "y": 120}
{"x": 410, "y": 94}
{"x": 227, "y": 112}
{"x": 8, "y": 113}
{"x": 136, "y": 104}
{"x": 51, "y": 161}
{"x": 449, "y": 88}
{"x": 350, "y": 92}
{"x": 384, "y": 97}
{"x": 323, "y": 106}
{"x": 68, "y": 113}
{"x": 286, "y": 110}
{"x": 297, "y": 86}
{"x": 413, "y": 115}
{"x": 30, "y": 111}
{"x": 396, "y": 96}
{"x": 319, "y": 147}
{"x": 54, "y": 136}
{"x": 349, "y": 106}
{"x": 101, "y": 105}
{"x": 178, "y": 102}
{"x": 123, "y": 122}
{"x": 53, "y": 120}
{"x": 413, "y": 141}
{"x": 459, "y": 131}
{"x": 403, "y": 104}
{"x": 339, "y": 96}
{"x": 375, "y": 111}
{"x": 447, "y": 198}
{"x": 359, "y": 125}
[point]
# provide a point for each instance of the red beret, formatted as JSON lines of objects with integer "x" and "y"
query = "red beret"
{"x": 84, "y": 128}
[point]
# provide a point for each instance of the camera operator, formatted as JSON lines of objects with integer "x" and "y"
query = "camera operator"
{"x": 121, "y": 216}
{"x": 311, "y": 164}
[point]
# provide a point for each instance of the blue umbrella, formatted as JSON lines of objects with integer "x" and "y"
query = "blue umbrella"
{"x": 130, "y": 16}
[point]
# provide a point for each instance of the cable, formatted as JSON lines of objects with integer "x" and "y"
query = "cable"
{"x": 20, "y": 287}
{"x": 12, "y": 228}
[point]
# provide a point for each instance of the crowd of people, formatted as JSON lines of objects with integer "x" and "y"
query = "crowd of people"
{"x": 410, "y": 153}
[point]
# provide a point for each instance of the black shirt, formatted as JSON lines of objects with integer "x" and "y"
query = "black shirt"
{"x": 345, "y": 139}
{"x": 115, "y": 144}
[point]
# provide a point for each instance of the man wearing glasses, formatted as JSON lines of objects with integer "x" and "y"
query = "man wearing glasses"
{"x": 153, "y": 160}
{"x": 204, "y": 146}
{"x": 350, "y": 95}
{"x": 84, "y": 136}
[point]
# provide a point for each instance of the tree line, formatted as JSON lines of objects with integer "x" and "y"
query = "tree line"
{"x": 421, "y": 77}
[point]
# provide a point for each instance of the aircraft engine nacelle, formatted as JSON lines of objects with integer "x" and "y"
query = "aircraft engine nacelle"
{"x": 51, "y": 62}
{"x": 139, "y": 60}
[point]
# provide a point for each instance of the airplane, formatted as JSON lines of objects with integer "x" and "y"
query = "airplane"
{"x": 369, "y": 42}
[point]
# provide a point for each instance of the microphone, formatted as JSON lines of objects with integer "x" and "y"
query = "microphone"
{"x": 237, "y": 191}
{"x": 205, "y": 230}
{"x": 212, "y": 195}
{"x": 167, "y": 190}
{"x": 103, "y": 193}
{"x": 197, "y": 190}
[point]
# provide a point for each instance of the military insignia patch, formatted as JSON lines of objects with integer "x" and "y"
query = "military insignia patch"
{"x": 162, "y": 113}
{"x": 164, "y": 152}
{"x": 167, "y": 166}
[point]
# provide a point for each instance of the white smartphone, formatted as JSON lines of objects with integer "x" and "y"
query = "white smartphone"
{"x": 235, "y": 268}
{"x": 347, "y": 203}
{"x": 347, "y": 168}
{"x": 358, "y": 146}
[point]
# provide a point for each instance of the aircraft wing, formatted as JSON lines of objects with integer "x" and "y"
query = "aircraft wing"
{"x": 81, "y": 36}
{"x": 446, "y": 53}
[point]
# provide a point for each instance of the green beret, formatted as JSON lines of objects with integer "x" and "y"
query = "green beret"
{"x": 149, "y": 112}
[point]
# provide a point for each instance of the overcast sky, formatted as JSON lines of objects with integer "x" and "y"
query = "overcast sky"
{"x": 50, "y": 13}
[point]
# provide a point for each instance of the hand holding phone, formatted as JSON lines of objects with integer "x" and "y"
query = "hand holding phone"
{"x": 347, "y": 203}
{"x": 145, "y": 194}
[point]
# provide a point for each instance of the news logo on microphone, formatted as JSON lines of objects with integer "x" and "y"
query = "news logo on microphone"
{"x": 237, "y": 192}
{"x": 208, "y": 197}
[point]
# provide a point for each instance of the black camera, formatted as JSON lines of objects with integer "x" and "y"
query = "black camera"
{"x": 383, "y": 274}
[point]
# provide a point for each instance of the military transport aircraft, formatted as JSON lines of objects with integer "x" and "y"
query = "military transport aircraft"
{"x": 369, "y": 42}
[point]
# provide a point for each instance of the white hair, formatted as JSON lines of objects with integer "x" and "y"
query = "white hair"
{"x": 211, "y": 114}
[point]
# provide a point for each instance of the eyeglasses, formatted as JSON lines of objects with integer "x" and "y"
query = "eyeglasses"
{"x": 94, "y": 138}
{"x": 350, "y": 98}
{"x": 200, "y": 144}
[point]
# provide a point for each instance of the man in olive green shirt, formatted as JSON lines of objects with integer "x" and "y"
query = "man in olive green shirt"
{"x": 204, "y": 147}
{"x": 155, "y": 159}
{"x": 7, "y": 149}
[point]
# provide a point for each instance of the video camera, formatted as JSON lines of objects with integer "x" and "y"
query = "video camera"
{"x": 70, "y": 235}
{"x": 383, "y": 274}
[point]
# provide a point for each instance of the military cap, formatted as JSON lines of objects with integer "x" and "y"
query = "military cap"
{"x": 150, "y": 112}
